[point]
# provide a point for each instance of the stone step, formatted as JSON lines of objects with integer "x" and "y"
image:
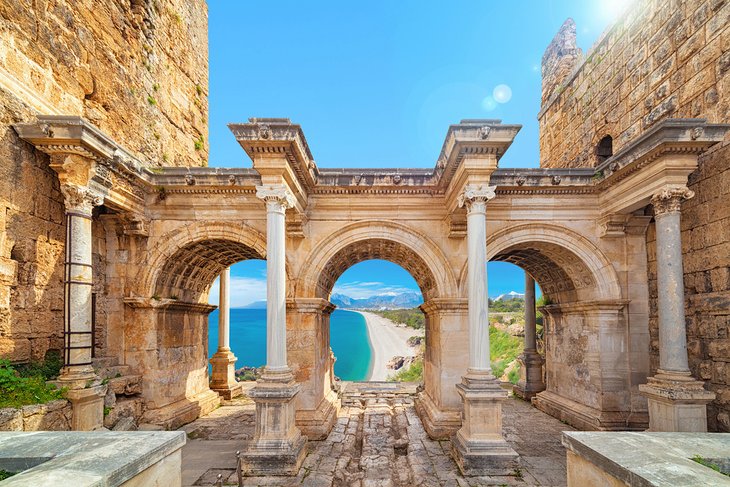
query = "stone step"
{"x": 127, "y": 385}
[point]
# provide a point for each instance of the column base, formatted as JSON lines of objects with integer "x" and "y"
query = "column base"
{"x": 677, "y": 402}
{"x": 223, "y": 376}
{"x": 88, "y": 407}
{"x": 530, "y": 376}
{"x": 278, "y": 447}
{"x": 439, "y": 424}
{"x": 316, "y": 424}
{"x": 478, "y": 447}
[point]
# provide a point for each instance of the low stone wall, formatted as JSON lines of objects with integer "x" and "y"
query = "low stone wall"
{"x": 52, "y": 416}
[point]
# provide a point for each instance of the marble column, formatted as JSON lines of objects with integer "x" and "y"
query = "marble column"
{"x": 278, "y": 446}
{"x": 531, "y": 362}
{"x": 478, "y": 446}
{"x": 85, "y": 390}
{"x": 677, "y": 402}
{"x": 223, "y": 375}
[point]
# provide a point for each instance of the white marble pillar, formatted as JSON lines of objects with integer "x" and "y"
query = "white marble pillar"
{"x": 278, "y": 199}
{"x": 479, "y": 447}
{"x": 531, "y": 381}
{"x": 224, "y": 311}
{"x": 677, "y": 402}
{"x": 475, "y": 199}
{"x": 223, "y": 362}
{"x": 85, "y": 390}
{"x": 278, "y": 446}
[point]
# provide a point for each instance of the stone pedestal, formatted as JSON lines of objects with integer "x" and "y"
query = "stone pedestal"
{"x": 677, "y": 403}
{"x": 479, "y": 447}
{"x": 278, "y": 447}
{"x": 223, "y": 376}
{"x": 88, "y": 407}
{"x": 531, "y": 381}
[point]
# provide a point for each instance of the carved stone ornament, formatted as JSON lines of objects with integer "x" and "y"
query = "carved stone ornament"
{"x": 277, "y": 197}
{"x": 696, "y": 133}
{"x": 484, "y": 132}
{"x": 265, "y": 132}
{"x": 556, "y": 180}
{"x": 80, "y": 199}
{"x": 231, "y": 179}
{"x": 189, "y": 180}
{"x": 135, "y": 225}
{"x": 476, "y": 194}
{"x": 396, "y": 179}
{"x": 670, "y": 198}
{"x": 521, "y": 180}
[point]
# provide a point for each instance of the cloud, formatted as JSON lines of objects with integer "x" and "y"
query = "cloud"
{"x": 244, "y": 291}
{"x": 365, "y": 289}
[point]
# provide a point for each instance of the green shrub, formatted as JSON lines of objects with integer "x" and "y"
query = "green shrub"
{"x": 49, "y": 368}
{"x": 4, "y": 474}
{"x": 412, "y": 318}
{"x": 17, "y": 391}
{"x": 414, "y": 373}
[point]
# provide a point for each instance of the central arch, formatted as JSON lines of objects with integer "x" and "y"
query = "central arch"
{"x": 371, "y": 239}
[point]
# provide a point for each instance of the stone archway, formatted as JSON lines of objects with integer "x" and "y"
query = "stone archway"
{"x": 308, "y": 325}
{"x": 166, "y": 325}
{"x": 587, "y": 342}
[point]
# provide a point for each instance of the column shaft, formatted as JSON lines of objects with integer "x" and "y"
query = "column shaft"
{"x": 670, "y": 287}
{"x": 476, "y": 230}
{"x": 275, "y": 287}
{"x": 224, "y": 311}
{"x": 530, "y": 320}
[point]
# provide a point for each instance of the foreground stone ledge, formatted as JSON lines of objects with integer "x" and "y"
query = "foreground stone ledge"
{"x": 92, "y": 458}
{"x": 645, "y": 459}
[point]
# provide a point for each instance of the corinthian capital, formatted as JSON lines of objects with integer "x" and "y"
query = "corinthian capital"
{"x": 670, "y": 198}
{"x": 277, "y": 197}
{"x": 80, "y": 199}
{"x": 475, "y": 196}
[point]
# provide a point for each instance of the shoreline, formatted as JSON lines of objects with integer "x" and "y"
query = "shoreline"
{"x": 387, "y": 340}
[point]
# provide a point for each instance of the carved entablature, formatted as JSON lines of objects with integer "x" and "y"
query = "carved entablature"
{"x": 132, "y": 224}
{"x": 295, "y": 224}
{"x": 81, "y": 154}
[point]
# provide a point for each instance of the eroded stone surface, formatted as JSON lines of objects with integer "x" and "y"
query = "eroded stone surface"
{"x": 379, "y": 445}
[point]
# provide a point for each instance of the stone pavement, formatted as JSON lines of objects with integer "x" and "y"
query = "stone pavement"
{"x": 380, "y": 445}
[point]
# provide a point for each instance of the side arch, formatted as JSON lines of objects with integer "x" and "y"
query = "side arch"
{"x": 371, "y": 239}
{"x": 188, "y": 258}
{"x": 567, "y": 265}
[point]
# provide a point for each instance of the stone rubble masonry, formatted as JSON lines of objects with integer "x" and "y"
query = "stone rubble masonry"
{"x": 52, "y": 416}
{"x": 663, "y": 59}
{"x": 137, "y": 70}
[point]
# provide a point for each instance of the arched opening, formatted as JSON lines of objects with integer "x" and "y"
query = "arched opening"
{"x": 509, "y": 319}
{"x": 167, "y": 333}
{"x": 246, "y": 318}
{"x": 604, "y": 149}
{"x": 377, "y": 330}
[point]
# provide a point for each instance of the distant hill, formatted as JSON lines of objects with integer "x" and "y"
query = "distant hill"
{"x": 382, "y": 301}
{"x": 509, "y": 295}
{"x": 255, "y": 305}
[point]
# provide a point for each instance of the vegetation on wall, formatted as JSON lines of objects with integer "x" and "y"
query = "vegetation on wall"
{"x": 27, "y": 384}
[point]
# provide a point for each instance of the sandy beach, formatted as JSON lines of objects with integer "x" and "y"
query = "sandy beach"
{"x": 388, "y": 340}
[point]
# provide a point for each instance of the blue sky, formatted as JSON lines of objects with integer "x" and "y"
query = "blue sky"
{"x": 376, "y": 84}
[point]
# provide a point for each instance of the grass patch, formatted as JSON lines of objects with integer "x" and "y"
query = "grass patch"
{"x": 17, "y": 391}
{"x": 707, "y": 463}
{"x": 4, "y": 474}
{"x": 48, "y": 368}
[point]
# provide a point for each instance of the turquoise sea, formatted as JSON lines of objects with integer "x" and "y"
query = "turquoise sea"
{"x": 348, "y": 338}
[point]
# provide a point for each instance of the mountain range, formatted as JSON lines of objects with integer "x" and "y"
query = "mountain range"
{"x": 381, "y": 301}
{"x": 509, "y": 295}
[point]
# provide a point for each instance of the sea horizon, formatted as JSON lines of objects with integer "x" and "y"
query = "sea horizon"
{"x": 349, "y": 340}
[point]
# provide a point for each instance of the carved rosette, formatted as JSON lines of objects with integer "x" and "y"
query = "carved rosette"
{"x": 475, "y": 197}
{"x": 669, "y": 199}
{"x": 80, "y": 200}
{"x": 277, "y": 197}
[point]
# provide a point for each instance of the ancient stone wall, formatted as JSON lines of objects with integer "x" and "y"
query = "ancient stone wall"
{"x": 51, "y": 416}
{"x": 137, "y": 69}
{"x": 664, "y": 59}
